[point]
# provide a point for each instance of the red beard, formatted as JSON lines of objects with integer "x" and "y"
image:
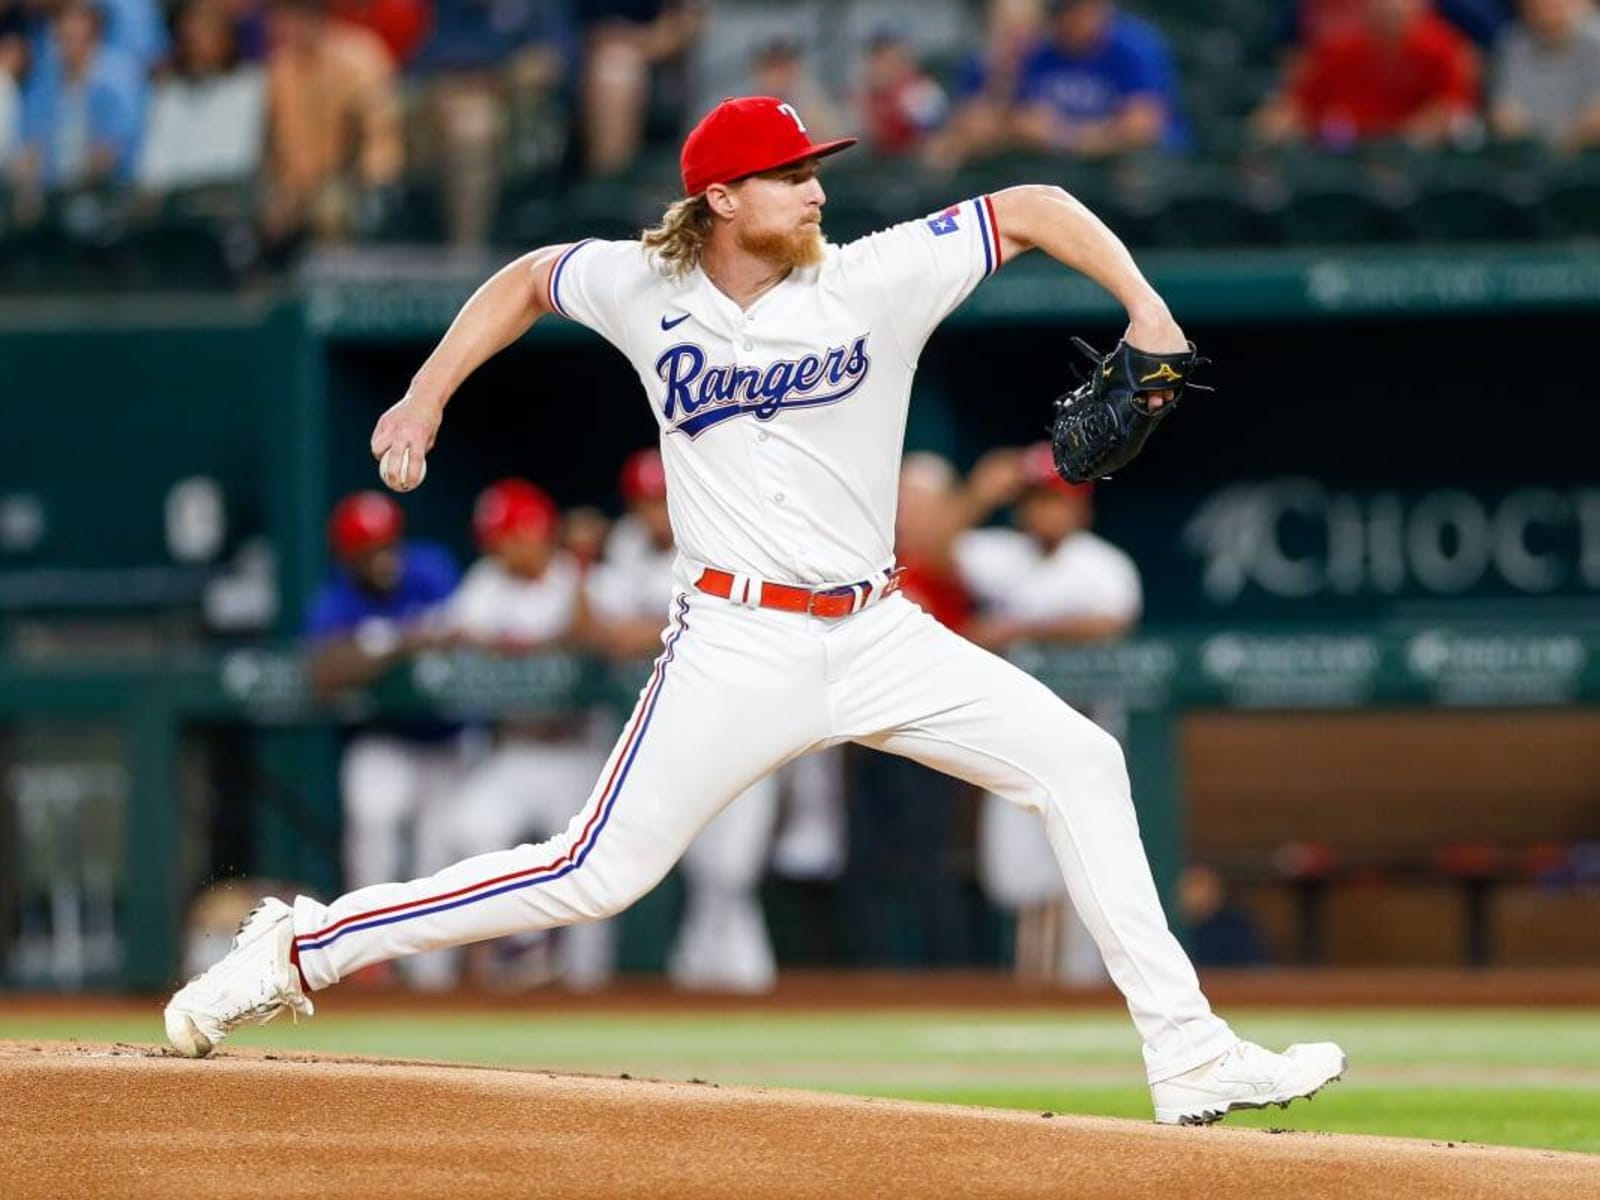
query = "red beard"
{"x": 787, "y": 248}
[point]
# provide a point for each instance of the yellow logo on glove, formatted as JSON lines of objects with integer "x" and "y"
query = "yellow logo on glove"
{"x": 1164, "y": 374}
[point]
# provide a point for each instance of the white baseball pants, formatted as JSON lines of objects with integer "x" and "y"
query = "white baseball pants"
{"x": 736, "y": 693}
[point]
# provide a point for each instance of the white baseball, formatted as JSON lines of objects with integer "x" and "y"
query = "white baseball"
{"x": 395, "y": 469}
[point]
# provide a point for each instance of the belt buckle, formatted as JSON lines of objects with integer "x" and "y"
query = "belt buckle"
{"x": 813, "y": 597}
{"x": 858, "y": 593}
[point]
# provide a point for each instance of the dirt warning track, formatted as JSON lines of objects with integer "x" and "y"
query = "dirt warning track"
{"x": 133, "y": 1121}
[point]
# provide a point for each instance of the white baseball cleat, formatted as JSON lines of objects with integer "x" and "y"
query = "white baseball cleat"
{"x": 1246, "y": 1077}
{"x": 254, "y": 982}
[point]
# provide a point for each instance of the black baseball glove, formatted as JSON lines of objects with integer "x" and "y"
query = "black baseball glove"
{"x": 1101, "y": 425}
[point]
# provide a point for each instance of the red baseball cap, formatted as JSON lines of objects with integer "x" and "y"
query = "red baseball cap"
{"x": 364, "y": 522}
{"x": 513, "y": 506}
{"x": 746, "y": 135}
{"x": 643, "y": 476}
{"x": 1039, "y": 470}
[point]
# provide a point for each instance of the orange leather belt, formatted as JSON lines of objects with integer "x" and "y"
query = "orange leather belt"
{"x": 829, "y": 603}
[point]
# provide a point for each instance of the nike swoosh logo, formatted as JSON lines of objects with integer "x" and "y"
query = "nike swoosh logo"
{"x": 666, "y": 324}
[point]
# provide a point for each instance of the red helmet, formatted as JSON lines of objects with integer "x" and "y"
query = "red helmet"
{"x": 1039, "y": 470}
{"x": 513, "y": 506}
{"x": 643, "y": 476}
{"x": 362, "y": 522}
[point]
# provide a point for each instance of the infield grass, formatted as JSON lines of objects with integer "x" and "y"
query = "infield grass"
{"x": 1508, "y": 1077}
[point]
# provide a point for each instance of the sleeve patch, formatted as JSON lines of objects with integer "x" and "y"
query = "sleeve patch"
{"x": 945, "y": 222}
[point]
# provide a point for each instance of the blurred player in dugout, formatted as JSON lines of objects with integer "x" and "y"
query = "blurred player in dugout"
{"x": 1048, "y": 578}
{"x": 722, "y": 943}
{"x": 525, "y": 595}
{"x": 397, "y": 779}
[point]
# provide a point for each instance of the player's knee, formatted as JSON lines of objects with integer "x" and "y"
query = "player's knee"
{"x": 1106, "y": 757}
{"x": 599, "y": 905}
{"x": 598, "y": 898}
{"x": 1092, "y": 760}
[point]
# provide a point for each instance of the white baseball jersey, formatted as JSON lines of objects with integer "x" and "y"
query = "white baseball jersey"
{"x": 490, "y": 602}
{"x": 1012, "y": 575}
{"x": 782, "y": 424}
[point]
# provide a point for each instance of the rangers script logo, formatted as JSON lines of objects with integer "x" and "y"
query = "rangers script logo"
{"x": 699, "y": 397}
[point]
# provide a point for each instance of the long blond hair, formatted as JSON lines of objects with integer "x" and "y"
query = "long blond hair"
{"x": 680, "y": 239}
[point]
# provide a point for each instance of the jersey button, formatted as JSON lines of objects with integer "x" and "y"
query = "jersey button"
{"x": 777, "y": 498}
{"x": 762, "y": 436}
{"x": 749, "y": 345}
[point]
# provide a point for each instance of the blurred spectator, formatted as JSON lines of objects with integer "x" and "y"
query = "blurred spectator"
{"x": 380, "y": 607}
{"x": 1547, "y": 75}
{"x": 778, "y": 68}
{"x": 1401, "y": 71}
{"x": 1217, "y": 932}
{"x": 401, "y": 24}
{"x": 985, "y": 86}
{"x": 207, "y": 120}
{"x": 1102, "y": 82}
{"x": 629, "y": 45}
{"x": 480, "y": 67}
{"x": 81, "y": 121}
{"x": 901, "y": 104}
{"x": 13, "y": 61}
{"x": 333, "y": 123}
{"x": 526, "y": 596}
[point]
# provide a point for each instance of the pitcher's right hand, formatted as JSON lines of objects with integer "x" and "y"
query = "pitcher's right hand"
{"x": 401, "y": 440}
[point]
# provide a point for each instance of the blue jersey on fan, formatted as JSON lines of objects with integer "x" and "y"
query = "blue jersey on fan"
{"x": 1132, "y": 60}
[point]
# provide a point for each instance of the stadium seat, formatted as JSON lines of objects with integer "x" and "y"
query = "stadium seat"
{"x": 528, "y": 210}
{"x": 1195, "y": 202}
{"x": 1331, "y": 215}
{"x": 1571, "y": 202}
{"x": 1466, "y": 212}
{"x": 1487, "y": 195}
{"x": 171, "y": 254}
{"x": 1571, "y": 209}
{"x": 412, "y": 215}
{"x": 862, "y": 197}
{"x": 46, "y": 259}
{"x": 1326, "y": 199}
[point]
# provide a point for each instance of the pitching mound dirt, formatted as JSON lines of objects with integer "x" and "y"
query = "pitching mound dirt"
{"x": 133, "y": 1121}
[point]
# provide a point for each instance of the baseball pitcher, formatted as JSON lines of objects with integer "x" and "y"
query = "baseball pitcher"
{"x": 778, "y": 368}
